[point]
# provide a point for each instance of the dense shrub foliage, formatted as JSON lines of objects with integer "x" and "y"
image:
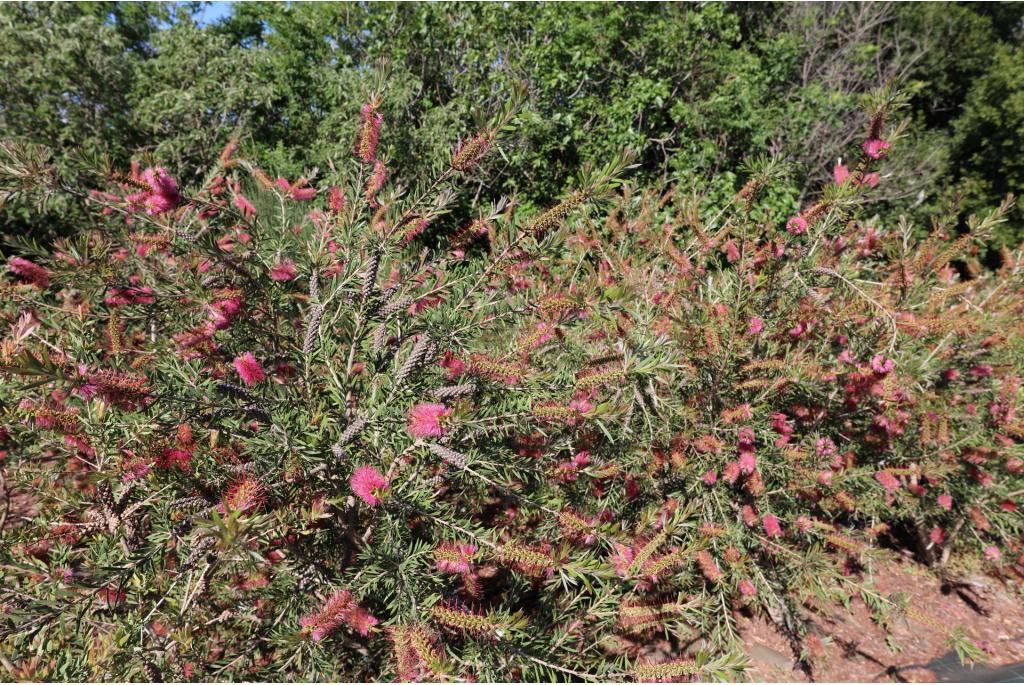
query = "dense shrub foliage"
{"x": 323, "y": 427}
{"x": 694, "y": 88}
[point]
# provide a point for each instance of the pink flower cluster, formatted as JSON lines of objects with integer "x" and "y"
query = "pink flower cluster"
{"x": 284, "y": 270}
{"x": 335, "y": 200}
{"x": 797, "y": 225}
{"x": 120, "y": 297}
{"x": 339, "y": 609}
{"x": 376, "y": 181}
{"x": 455, "y": 557}
{"x": 161, "y": 196}
{"x": 772, "y": 528}
{"x": 368, "y": 484}
{"x": 369, "y": 132}
{"x": 299, "y": 190}
{"x": 567, "y": 470}
{"x": 888, "y": 481}
{"x": 29, "y": 272}
{"x": 840, "y": 174}
{"x": 425, "y": 420}
{"x": 242, "y": 204}
{"x": 249, "y": 370}
{"x": 748, "y": 459}
{"x": 875, "y": 148}
{"x": 243, "y": 495}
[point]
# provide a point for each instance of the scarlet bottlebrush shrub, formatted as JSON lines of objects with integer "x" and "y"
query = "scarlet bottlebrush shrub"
{"x": 316, "y": 429}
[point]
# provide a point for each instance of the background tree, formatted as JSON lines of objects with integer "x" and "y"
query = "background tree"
{"x": 693, "y": 88}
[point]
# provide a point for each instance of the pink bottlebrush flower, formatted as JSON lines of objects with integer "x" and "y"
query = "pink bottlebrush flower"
{"x": 868, "y": 242}
{"x": 124, "y": 390}
{"x": 173, "y": 457}
{"x": 297, "y": 190}
{"x": 29, "y": 272}
{"x": 631, "y": 488}
{"x": 937, "y": 535}
{"x": 747, "y": 462}
{"x": 782, "y": 426}
{"x": 747, "y": 588}
{"x": 111, "y": 596}
{"x": 425, "y": 420}
{"x": 368, "y": 484}
{"x": 250, "y": 370}
{"x": 870, "y": 180}
{"x": 361, "y": 620}
{"x": 888, "y": 481}
{"x": 339, "y": 609}
{"x": 578, "y": 527}
{"x": 119, "y": 297}
{"x": 414, "y": 230}
{"x": 981, "y": 370}
{"x": 755, "y": 325}
{"x": 369, "y": 131}
{"x": 223, "y": 311}
{"x": 471, "y": 151}
{"x": 840, "y": 173}
{"x": 771, "y": 526}
{"x": 799, "y": 330}
{"x": 375, "y": 183}
{"x": 881, "y": 365}
{"x": 731, "y": 472}
{"x": 710, "y": 478}
{"x": 134, "y": 467}
{"x": 581, "y": 407}
{"x": 455, "y": 366}
{"x": 875, "y": 148}
{"x": 162, "y": 195}
{"x": 983, "y": 479}
{"x": 708, "y": 566}
{"x": 622, "y": 559}
{"x": 457, "y": 558}
{"x": 243, "y": 495}
{"x": 335, "y": 199}
{"x": 748, "y": 515}
{"x": 797, "y": 225}
{"x": 804, "y": 524}
{"x": 283, "y": 270}
{"x": 825, "y": 447}
{"x": 243, "y": 205}
{"x": 993, "y": 554}
{"x": 945, "y": 501}
{"x": 566, "y": 471}
{"x": 732, "y": 251}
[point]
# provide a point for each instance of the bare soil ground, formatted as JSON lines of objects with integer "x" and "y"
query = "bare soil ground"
{"x": 853, "y": 649}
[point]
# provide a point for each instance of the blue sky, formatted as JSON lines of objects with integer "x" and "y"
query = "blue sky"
{"x": 213, "y": 11}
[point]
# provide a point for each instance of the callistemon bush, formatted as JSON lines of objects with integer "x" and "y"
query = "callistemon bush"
{"x": 334, "y": 428}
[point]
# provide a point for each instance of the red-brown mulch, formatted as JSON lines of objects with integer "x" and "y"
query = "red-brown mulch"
{"x": 853, "y": 648}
